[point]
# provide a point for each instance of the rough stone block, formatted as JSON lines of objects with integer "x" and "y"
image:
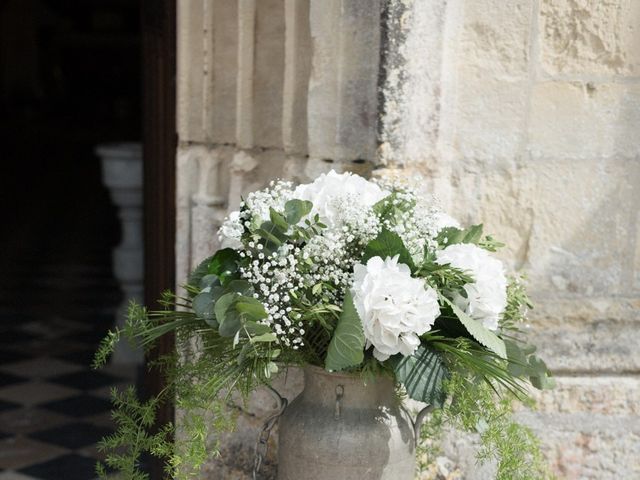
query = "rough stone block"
{"x": 587, "y": 334}
{"x": 491, "y": 116}
{"x": 607, "y": 395}
{"x": 268, "y": 73}
{"x": 584, "y": 120}
{"x": 190, "y": 71}
{"x": 221, "y": 56}
{"x": 495, "y": 38}
{"x": 583, "y": 229}
{"x": 590, "y": 37}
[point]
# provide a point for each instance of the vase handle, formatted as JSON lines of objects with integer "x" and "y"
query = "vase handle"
{"x": 417, "y": 423}
{"x": 262, "y": 445}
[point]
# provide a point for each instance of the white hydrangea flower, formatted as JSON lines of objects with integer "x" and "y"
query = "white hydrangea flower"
{"x": 325, "y": 189}
{"x": 394, "y": 307}
{"x": 487, "y": 295}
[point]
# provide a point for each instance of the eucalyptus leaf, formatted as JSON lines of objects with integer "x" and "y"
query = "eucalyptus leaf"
{"x": 250, "y": 308}
{"x": 227, "y": 315}
{"x": 203, "y": 306}
{"x": 296, "y": 209}
{"x": 209, "y": 280}
{"x": 477, "y": 330}
{"x": 422, "y": 374}
{"x": 240, "y": 286}
{"x": 265, "y": 337}
{"x": 346, "y": 348}
{"x": 278, "y": 220}
{"x": 273, "y": 235}
{"x": 388, "y": 244}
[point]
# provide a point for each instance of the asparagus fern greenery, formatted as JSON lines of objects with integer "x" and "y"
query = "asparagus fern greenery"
{"x": 349, "y": 275}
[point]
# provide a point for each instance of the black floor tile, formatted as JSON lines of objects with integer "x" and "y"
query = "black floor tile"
{"x": 79, "y": 406}
{"x": 10, "y": 356}
{"x": 8, "y": 405}
{"x": 13, "y": 337}
{"x": 81, "y": 357}
{"x": 8, "y": 379}
{"x": 86, "y": 380}
{"x": 67, "y": 467}
{"x": 72, "y": 435}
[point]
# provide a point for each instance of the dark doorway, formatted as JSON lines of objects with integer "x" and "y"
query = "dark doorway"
{"x": 70, "y": 79}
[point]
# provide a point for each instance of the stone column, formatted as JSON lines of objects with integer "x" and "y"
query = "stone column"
{"x": 122, "y": 174}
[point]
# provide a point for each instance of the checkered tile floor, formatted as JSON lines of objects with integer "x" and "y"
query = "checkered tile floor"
{"x": 53, "y": 407}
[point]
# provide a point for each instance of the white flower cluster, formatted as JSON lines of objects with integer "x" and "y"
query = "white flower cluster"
{"x": 275, "y": 278}
{"x": 486, "y": 297}
{"x": 394, "y": 307}
{"x": 319, "y": 261}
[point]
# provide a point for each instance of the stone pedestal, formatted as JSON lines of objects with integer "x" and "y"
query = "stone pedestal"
{"x": 122, "y": 175}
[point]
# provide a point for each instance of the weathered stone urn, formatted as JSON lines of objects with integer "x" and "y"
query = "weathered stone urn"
{"x": 341, "y": 427}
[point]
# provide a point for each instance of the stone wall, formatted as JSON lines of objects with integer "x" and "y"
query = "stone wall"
{"x": 522, "y": 114}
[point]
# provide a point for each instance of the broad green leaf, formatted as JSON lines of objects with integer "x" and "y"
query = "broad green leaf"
{"x": 224, "y": 264}
{"x": 227, "y": 315}
{"x": 295, "y": 210}
{"x": 278, "y": 220}
{"x": 265, "y": 337}
{"x": 273, "y": 235}
{"x": 209, "y": 280}
{"x": 422, "y": 374}
{"x": 203, "y": 306}
{"x": 540, "y": 376}
{"x": 346, "y": 348}
{"x": 256, "y": 328}
{"x": 240, "y": 286}
{"x": 477, "y": 330}
{"x": 199, "y": 273}
{"x": 388, "y": 244}
{"x": 250, "y": 308}
{"x": 473, "y": 234}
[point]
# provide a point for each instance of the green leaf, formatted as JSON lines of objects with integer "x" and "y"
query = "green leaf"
{"x": 422, "y": 374}
{"x": 209, "y": 280}
{"x": 224, "y": 264}
{"x": 240, "y": 286}
{"x": 265, "y": 337}
{"x": 278, "y": 220}
{"x": 346, "y": 348}
{"x": 477, "y": 330}
{"x": 473, "y": 234}
{"x": 199, "y": 273}
{"x": 250, "y": 308}
{"x": 227, "y": 315}
{"x": 388, "y": 244}
{"x": 295, "y": 210}
{"x": 203, "y": 306}
{"x": 256, "y": 328}
{"x": 273, "y": 235}
{"x": 452, "y": 235}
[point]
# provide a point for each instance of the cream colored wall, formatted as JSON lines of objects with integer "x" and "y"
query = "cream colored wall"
{"x": 521, "y": 114}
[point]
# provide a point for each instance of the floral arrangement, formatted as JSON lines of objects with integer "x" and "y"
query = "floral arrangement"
{"x": 349, "y": 275}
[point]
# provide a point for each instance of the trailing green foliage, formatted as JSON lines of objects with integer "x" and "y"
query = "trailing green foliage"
{"x": 474, "y": 407}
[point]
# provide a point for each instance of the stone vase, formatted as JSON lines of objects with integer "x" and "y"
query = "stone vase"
{"x": 341, "y": 427}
